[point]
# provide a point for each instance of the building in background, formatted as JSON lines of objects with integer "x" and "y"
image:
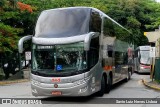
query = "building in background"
{"x": 153, "y": 36}
{"x": 154, "y": 40}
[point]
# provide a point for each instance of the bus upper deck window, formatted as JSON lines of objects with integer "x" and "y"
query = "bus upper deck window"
{"x": 110, "y": 50}
{"x": 95, "y": 22}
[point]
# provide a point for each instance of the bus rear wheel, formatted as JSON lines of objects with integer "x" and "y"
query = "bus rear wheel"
{"x": 108, "y": 85}
{"x": 102, "y": 90}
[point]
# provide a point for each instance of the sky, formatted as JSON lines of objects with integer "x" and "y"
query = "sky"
{"x": 158, "y": 0}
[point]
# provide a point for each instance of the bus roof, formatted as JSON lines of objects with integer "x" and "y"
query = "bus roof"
{"x": 71, "y": 23}
{"x": 63, "y": 22}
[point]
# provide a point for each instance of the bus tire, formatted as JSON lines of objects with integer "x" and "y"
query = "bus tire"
{"x": 128, "y": 76}
{"x": 108, "y": 85}
{"x": 102, "y": 90}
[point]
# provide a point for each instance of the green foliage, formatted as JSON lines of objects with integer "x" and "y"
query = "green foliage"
{"x": 132, "y": 22}
{"x": 8, "y": 37}
{"x": 157, "y": 82}
{"x": 136, "y": 15}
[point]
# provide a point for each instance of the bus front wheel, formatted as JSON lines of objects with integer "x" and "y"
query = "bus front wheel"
{"x": 102, "y": 90}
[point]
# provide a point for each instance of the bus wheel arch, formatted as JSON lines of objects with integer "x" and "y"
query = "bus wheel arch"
{"x": 103, "y": 86}
{"x": 111, "y": 76}
{"x": 106, "y": 80}
{"x": 109, "y": 82}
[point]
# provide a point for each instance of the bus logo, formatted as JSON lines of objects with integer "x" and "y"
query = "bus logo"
{"x": 56, "y": 80}
{"x": 55, "y": 86}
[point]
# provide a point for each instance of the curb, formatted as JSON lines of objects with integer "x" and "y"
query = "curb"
{"x": 13, "y": 81}
{"x": 150, "y": 86}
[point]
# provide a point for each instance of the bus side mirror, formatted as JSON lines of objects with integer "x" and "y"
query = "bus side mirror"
{"x": 21, "y": 41}
{"x": 88, "y": 39}
{"x": 20, "y": 50}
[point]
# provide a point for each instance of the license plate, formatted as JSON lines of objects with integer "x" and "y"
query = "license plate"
{"x": 56, "y": 93}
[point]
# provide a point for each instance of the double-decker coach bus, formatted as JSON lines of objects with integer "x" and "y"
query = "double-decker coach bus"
{"x": 77, "y": 51}
{"x": 142, "y": 59}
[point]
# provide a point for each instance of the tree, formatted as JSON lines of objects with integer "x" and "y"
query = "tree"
{"x": 18, "y": 18}
{"x": 136, "y": 15}
{"x": 10, "y": 32}
{"x": 8, "y": 37}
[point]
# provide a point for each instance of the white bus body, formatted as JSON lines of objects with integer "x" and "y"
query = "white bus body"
{"x": 76, "y": 51}
{"x": 142, "y": 59}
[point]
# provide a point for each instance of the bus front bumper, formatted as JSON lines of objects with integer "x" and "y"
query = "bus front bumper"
{"x": 80, "y": 90}
{"x": 144, "y": 70}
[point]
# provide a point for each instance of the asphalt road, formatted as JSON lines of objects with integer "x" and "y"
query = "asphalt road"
{"x": 131, "y": 89}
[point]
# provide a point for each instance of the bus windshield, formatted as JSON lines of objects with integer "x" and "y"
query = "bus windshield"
{"x": 145, "y": 57}
{"x": 58, "y": 58}
{"x": 63, "y": 23}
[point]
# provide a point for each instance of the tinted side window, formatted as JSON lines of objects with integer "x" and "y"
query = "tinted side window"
{"x": 136, "y": 53}
{"x": 121, "y": 45}
{"x": 110, "y": 50}
{"x": 93, "y": 54}
{"x": 95, "y": 22}
{"x": 108, "y": 28}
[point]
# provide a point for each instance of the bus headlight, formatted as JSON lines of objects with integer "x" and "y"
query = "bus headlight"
{"x": 34, "y": 90}
{"x": 84, "y": 89}
{"x": 79, "y": 82}
{"x": 34, "y": 82}
{"x": 82, "y": 80}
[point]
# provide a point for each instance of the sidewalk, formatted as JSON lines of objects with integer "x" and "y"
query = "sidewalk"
{"x": 16, "y": 78}
{"x": 151, "y": 84}
{"x": 13, "y": 81}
